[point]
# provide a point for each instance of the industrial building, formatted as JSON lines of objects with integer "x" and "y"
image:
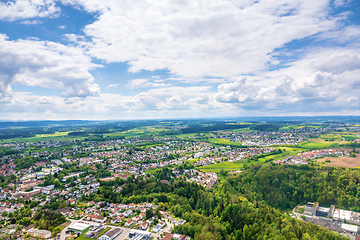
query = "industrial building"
{"x": 39, "y": 233}
{"x": 139, "y": 235}
{"x": 78, "y": 227}
{"x": 313, "y": 209}
{"x": 110, "y": 235}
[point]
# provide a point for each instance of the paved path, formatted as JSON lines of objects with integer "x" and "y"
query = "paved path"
{"x": 298, "y": 215}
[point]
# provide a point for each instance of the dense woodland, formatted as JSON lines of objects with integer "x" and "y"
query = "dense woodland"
{"x": 221, "y": 214}
{"x": 284, "y": 187}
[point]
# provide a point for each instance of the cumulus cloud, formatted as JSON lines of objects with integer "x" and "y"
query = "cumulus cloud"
{"x": 203, "y": 38}
{"x": 229, "y": 43}
{"x": 28, "y": 22}
{"x": 45, "y": 64}
{"x": 146, "y": 83}
{"x": 324, "y": 79}
{"x": 22, "y": 9}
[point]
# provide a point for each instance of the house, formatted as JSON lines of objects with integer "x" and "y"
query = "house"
{"x": 110, "y": 235}
{"x": 3, "y": 195}
{"x": 95, "y": 218}
{"x": 19, "y": 205}
{"x": 180, "y": 222}
{"x": 128, "y": 213}
{"x": 129, "y": 223}
{"x": 144, "y": 226}
{"x": 136, "y": 218}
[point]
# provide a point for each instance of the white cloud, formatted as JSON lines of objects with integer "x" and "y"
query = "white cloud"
{"x": 196, "y": 43}
{"x": 45, "y": 64}
{"x": 22, "y": 9}
{"x": 203, "y": 38}
{"x": 146, "y": 83}
{"x": 27, "y": 22}
{"x": 324, "y": 79}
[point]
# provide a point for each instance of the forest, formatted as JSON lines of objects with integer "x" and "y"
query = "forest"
{"x": 221, "y": 214}
{"x": 284, "y": 187}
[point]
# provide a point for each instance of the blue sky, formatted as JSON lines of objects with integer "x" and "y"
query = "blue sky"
{"x": 117, "y": 59}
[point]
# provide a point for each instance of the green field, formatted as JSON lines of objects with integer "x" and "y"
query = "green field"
{"x": 63, "y": 136}
{"x": 318, "y": 145}
{"x": 242, "y": 130}
{"x": 185, "y": 135}
{"x": 151, "y": 171}
{"x": 221, "y": 166}
{"x": 350, "y": 137}
{"x": 104, "y": 231}
{"x": 223, "y": 142}
{"x": 192, "y": 161}
{"x": 292, "y": 126}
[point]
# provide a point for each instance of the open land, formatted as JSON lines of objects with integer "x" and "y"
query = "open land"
{"x": 347, "y": 162}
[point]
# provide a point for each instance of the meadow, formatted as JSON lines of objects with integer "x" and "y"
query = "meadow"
{"x": 221, "y": 166}
{"x": 223, "y": 142}
{"x": 318, "y": 145}
{"x": 61, "y": 136}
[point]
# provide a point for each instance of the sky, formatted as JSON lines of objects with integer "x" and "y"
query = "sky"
{"x": 146, "y": 59}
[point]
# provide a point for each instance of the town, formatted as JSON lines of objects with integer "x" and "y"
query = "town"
{"x": 84, "y": 182}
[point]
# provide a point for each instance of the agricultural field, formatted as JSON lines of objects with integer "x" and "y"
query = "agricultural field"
{"x": 221, "y": 166}
{"x": 318, "y": 144}
{"x": 61, "y": 136}
{"x": 185, "y": 135}
{"x": 291, "y": 126}
{"x": 151, "y": 171}
{"x": 347, "y": 162}
{"x": 141, "y": 131}
{"x": 242, "y": 130}
{"x": 191, "y": 161}
{"x": 348, "y": 137}
{"x": 271, "y": 158}
{"x": 222, "y": 141}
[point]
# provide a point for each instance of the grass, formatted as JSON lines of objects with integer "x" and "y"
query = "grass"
{"x": 318, "y": 145}
{"x": 43, "y": 137}
{"x": 64, "y": 225}
{"x": 291, "y": 126}
{"x": 151, "y": 171}
{"x": 350, "y": 137}
{"x": 242, "y": 130}
{"x": 221, "y": 166}
{"x": 223, "y": 142}
{"x": 274, "y": 157}
{"x": 104, "y": 231}
{"x": 192, "y": 161}
{"x": 82, "y": 237}
{"x": 290, "y": 149}
{"x": 185, "y": 135}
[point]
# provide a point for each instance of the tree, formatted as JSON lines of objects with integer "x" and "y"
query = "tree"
{"x": 149, "y": 214}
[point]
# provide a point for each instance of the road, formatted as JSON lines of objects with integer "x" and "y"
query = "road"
{"x": 298, "y": 215}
